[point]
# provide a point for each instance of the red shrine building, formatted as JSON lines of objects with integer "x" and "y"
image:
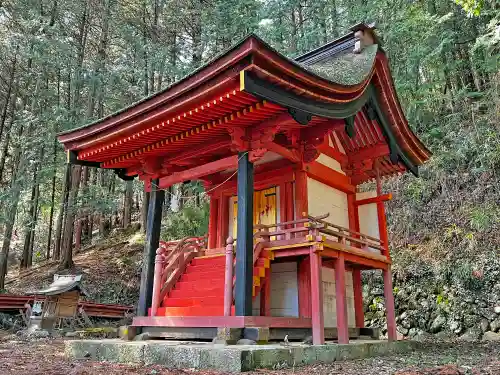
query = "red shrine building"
{"x": 282, "y": 147}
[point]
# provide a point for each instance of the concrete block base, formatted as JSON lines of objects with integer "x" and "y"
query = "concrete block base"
{"x": 234, "y": 358}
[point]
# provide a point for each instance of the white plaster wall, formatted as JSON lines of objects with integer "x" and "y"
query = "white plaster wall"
{"x": 325, "y": 199}
{"x": 329, "y": 298}
{"x": 284, "y": 291}
{"x": 368, "y": 218}
{"x": 330, "y": 162}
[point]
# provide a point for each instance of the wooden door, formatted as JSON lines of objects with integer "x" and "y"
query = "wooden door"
{"x": 264, "y": 208}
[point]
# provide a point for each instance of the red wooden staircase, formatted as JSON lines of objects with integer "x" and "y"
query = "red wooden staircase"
{"x": 200, "y": 289}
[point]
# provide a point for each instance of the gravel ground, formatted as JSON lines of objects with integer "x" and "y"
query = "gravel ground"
{"x": 47, "y": 357}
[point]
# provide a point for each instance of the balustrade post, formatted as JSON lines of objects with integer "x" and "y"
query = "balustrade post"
{"x": 228, "y": 281}
{"x": 159, "y": 263}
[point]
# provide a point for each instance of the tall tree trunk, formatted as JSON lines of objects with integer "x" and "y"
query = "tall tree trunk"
{"x": 52, "y": 200}
{"x": 79, "y": 218}
{"x": 30, "y": 223}
{"x": 62, "y": 210}
{"x": 69, "y": 222}
{"x": 10, "y": 85}
{"x": 144, "y": 213}
{"x": 5, "y": 149}
{"x": 127, "y": 204}
{"x": 18, "y": 162}
{"x": 35, "y": 221}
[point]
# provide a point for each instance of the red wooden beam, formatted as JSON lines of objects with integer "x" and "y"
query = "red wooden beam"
{"x": 373, "y": 152}
{"x": 331, "y": 152}
{"x": 291, "y": 155}
{"x": 199, "y": 151}
{"x": 221, "y": 321}
{"x": 330, "y": 177}
{"x": 380, "y": 198}
{"x": 200, "y": 171}
{"x": 340, "y": 297}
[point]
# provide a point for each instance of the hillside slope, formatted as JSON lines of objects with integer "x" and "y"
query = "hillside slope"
{"x": 111, "y": 270}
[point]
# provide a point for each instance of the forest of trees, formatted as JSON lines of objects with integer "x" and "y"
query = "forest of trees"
{"x": 66, "y": 63}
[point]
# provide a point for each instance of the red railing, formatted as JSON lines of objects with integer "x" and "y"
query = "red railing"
{"x": 171, "y": 260}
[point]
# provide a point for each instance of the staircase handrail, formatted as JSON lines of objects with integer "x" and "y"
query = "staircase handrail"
{"x": 171, "y": 259}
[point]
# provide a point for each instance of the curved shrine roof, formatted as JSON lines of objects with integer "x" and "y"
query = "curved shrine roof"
{"x": 248, "y": 84}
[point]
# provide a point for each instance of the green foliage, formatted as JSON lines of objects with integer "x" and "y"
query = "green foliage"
{"x": 483, "y": 217}
{"x": 190, "y": 221}
{"x": 472, "y": 7}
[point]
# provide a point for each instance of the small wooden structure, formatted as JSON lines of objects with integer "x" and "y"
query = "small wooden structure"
{"x": 57, "y": 302}
{"x": 282, "y": 147}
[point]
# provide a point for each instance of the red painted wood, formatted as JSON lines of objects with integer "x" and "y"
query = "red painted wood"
{"x": 382, "y": 223}
{"x": 356, "y": 273}
{"x": 381, "y": 198}
{"x": 301, "y": 202}
{"x": 197, "y": 172}
{"x": 194, "y": 301}
{"x": 224, "y": 214}
{"x": 330, "y": 177}
{"x": 265, "y": 176}
{"x": 341, "y": 303}
{"x": 221, "y": 321}
{"x": 265, "y": 295}
{"x": 187, "y": 292}
{"x": 223, "y": 222}
{"x": 228, "y": 277}
{"x": 367, "y": 153}
{"x": 158, "y": 102}
{"x": 290, "y": 202}
{"x": 291, "y": 155}
{"x": 318, "y": 323}
{"x": 292, "y": 252}
{"x": 211, "y": 260}
{"x": 331, "y": 152}
{"x": 304, "y": 287}
{"x": 212, "y": 222}
{"x": 389, "y": 305}
{"x": 283, "y": 202}
{"x": 358, "y": 298}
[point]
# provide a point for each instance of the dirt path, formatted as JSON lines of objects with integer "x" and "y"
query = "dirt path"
{"x": 47, "y": 357}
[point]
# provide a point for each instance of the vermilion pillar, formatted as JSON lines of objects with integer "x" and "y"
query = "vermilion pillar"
{"x": 356, "y": 272}
{"x": 388, "y": 290}
{"x": 318, "y": 322}
{"x": 212, "y": 223}
{"x": 304, "y": 287}
{"x": 152, "y": 243}
{"x": 244, "y": 242}
{"x": 301, "y": 203}
{"x": 340, "y": 297}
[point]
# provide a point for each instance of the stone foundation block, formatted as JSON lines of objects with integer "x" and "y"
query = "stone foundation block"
{"x": 115, "y": 351}
{"x": 229, "y": 335}
{"x": 258, "y": 334}
{"x": 127, "y": 333}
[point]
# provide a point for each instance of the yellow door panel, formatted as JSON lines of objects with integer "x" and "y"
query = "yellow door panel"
{"x": 264, "y": 208}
